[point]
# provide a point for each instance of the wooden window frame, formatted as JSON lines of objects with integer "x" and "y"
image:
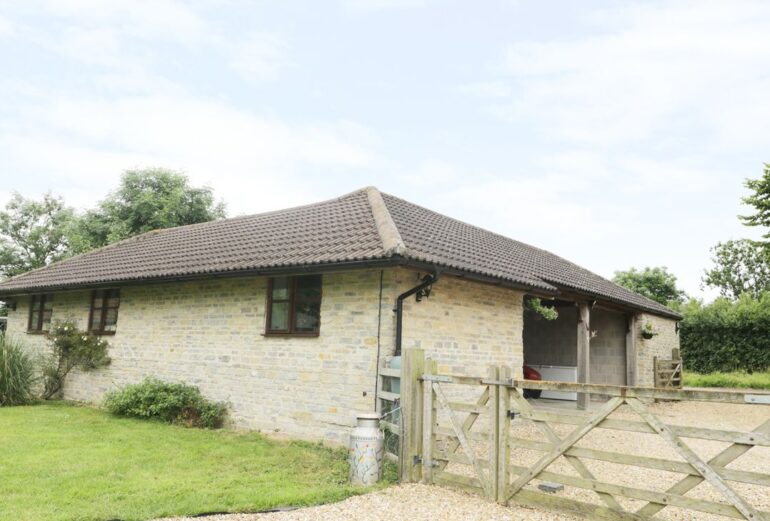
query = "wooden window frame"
{"x": 38, "y": 303}
{"x": 292, "y": 300}
{"x": 106, "y": 294}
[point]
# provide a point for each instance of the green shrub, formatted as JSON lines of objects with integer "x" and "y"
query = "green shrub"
{"x": 727, "y": 336}
{"x": 17, "y": 372}
{"x": 70, "y": 348}
{"x": 171, "y": 402}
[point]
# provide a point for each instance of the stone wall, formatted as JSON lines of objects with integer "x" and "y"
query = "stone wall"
{"x": 608, "y": 347}
{"x": 210, "y": 333}
{"x": 66, "y": 305}
{"x": 660, "y": 345}
{"x": 466, "y": 326}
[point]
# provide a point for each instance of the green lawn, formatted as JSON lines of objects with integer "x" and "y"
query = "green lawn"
{"x": 63, "y": 462}
{"x": 734, "y": 379}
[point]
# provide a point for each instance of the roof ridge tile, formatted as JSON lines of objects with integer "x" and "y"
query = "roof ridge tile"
{"x": 391, "y": 239}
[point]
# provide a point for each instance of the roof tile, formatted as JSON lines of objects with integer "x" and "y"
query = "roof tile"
{"x": 363, "y": 225}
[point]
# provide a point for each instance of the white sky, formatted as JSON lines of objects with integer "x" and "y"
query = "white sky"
{"x": 616, "y": 134}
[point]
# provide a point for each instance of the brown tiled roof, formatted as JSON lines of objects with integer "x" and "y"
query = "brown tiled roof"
{"x": 362, "y": 227}
{"x": 439, "y": 239}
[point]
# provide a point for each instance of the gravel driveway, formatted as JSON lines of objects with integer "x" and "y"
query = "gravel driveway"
{"x": 404, "y": 502}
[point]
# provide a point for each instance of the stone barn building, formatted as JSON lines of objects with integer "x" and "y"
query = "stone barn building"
{"x": 285, "y": 315}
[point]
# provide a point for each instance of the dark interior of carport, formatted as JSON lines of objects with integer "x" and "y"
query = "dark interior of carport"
{"x": 551, "y": 346}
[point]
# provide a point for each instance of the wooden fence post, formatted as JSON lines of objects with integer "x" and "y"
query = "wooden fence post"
{"x": 503, "y": 432}
{"x": 494, "y": 430}
{"x": 412, "y": 368}
{"x": 584, "y": 352}
{"x": 429, "y": 421}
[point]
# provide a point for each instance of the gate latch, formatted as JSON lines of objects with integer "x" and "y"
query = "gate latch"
{"x": 512, "y": 414}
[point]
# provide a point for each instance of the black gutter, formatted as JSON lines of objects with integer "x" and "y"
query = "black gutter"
{"x": 426, "y": 281}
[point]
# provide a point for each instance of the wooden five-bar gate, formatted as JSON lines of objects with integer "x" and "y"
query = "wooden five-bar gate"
{"x": 668, "y": 372}
{"x": 620, "y": 460}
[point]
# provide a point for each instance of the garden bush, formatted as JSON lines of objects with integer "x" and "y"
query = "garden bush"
{"x": 70, "y": 348}
{"x": 17, "y": 372}
{"x": 727, "y": 336}
{"x": 171, "y": 402}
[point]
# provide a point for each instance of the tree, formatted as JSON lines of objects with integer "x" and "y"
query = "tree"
{"x": 654, "y": 283}
{"x": 147, "y": 199}
{"x": 741, "y": 266}
{"x": 760, "y": 200}
{"x": 33, "y": 233}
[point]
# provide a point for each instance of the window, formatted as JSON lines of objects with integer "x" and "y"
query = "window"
{"x": 294, "y": 305}
{"x": 40, "y": 309}
{"x": 104, "y": 312}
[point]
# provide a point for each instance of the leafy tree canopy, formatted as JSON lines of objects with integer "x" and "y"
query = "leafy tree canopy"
{"x": 147, "y": 199}
{"x": 656, "y": 283}
{"x": 33, "y": 233}
{"x": 760, "y": 200}
{"x": 741, "y": 266}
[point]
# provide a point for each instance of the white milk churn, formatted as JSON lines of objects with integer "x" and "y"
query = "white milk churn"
{"x": 366, "y": 450}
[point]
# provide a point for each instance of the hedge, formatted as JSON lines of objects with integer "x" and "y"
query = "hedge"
{"x": 727, "y": 336}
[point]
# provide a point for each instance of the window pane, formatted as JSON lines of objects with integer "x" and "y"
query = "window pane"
{"x": 98, "y": 301}
{"x": 113, "y": 302}
{"x": 46, "y": 320}
{"x": 280, "y": 288}
{"x": 309, "y": 287}
{"x": 96, "y": 320}
{"x": 48, "y": 302}
{"x": 279, "y": 316}
{"x": 306, "y": 316}
{"x": 110, "y": 319}
{"x": 33, "y": 318}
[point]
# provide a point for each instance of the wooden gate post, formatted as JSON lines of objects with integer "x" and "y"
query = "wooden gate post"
{"x": 504, "y": 426}
{"x": 412, "y": 368}
{"x": 494, "y": 431}
{"x": 584, "y": 352}
{"x": 428, "y": 423}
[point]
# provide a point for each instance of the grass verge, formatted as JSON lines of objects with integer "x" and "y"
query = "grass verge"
{"x": 64, "y": 462}
{"x": 733, "y": 379}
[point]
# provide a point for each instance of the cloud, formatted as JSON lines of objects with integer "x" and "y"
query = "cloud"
{"x": 148, "y": 20}
{"x": 260, "y": 57}
{"x": 486, "y": 89}
{"x": 131, "y": 110}
{"x": 430, "y": 173}
{"x": 254, "y": 161}
{"x": 650, "y": 71}
{"x": 367, "y": 6}
{"x": 6, "y": 27}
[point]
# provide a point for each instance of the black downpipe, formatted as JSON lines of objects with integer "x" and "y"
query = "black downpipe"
{"x": 428, "y": 280}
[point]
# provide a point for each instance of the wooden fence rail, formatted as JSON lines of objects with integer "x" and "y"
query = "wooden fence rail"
{"x": 472, "y": 430}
